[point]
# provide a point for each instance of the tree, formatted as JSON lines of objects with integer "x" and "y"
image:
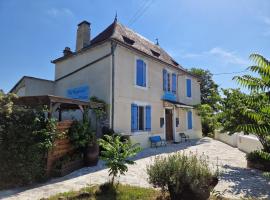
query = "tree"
{"x": 258, "y": 109}
{"x": 208, "y": 118}
{"x": 117, "y": 154}
{"x": 209, "y": 100}
{"x": 232, "y": 105}
{"x": 209, "y": 89}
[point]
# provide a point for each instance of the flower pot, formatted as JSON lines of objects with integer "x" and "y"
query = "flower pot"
{"x": 91, "y": 155}
{"x": 199, "y": 194}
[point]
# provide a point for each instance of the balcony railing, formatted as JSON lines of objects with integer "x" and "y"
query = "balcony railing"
{"x": 169, "y": 96}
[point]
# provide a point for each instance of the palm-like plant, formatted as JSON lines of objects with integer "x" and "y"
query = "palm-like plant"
{"x": 258, "y": 110}
{"x": 117, "y": 154}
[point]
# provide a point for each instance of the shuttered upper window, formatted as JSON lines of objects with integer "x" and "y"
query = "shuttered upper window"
{"x": 169, "y": 81}
{"x": 140, "y": 73}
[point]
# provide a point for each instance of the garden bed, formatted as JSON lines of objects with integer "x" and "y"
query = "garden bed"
{"x": 258, "y": 160}
{"x": 259, "y": 166}
{"x": 68, "y": 168}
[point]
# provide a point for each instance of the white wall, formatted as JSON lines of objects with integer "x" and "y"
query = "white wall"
{"x": 126, "y": 93}
{"x": 246, "y": 143}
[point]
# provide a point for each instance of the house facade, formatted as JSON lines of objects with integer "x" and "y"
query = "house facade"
{"x": 147, "y": 92}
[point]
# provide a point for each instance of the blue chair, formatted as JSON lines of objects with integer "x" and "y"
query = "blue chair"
{"x": 156, "y": 140}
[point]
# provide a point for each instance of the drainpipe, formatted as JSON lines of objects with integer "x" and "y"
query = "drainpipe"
{"x": 113, "y": 47}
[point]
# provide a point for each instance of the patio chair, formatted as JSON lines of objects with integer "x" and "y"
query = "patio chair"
{"x": 184, "y": 136}
{"x": 156, "y": 140}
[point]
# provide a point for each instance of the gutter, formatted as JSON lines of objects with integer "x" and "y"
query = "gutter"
{"x": 113, "y": 47}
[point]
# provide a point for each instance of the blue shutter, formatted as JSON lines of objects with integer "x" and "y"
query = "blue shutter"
{"x": 148, "y": 118}
{"x": 144, "y": 75}
{"x": 174, "y": 83}
{"x": 188, "y": 87}
{"x": 134, "y": 117}
{"x": 189, "y": 120}
{"x": 139, "y": 73}
{"x": 165, "y": 84}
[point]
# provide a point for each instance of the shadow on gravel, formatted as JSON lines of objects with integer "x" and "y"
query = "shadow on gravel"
{"x": 147, "y": 152}
{"x": 246, "y": 181}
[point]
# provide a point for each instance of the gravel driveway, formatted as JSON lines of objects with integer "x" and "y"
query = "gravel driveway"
{"x": 236, "y": 180}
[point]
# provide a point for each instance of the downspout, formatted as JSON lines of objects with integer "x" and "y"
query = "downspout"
{"x": 113, "y": 47}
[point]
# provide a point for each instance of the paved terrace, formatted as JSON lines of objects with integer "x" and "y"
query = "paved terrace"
{"x": 236, "y": 180}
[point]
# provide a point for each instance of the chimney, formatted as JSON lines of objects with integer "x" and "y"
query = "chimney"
{"x": 83, "y": 35}
{"x": 67, "y": 51}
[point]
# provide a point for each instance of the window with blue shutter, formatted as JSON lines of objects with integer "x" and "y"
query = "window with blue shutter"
{"x": 188, "y": 84}
{"x": 140, "y": 73}
{"x": 134, "y": 117}
{"x": 189, "y": 118}
{"x": 144, "y": 74}
{"x": 165, "y": 84}
{"x": 174, "y": 82}
{"x": 148, "y": 118}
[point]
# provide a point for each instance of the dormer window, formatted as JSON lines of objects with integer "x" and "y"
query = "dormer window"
{"x": 174, "y": 62}
{"x": 155, "y": 53}
{"x": 128, "y": 40}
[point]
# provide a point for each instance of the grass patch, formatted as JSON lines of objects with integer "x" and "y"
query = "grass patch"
{"x": 106, "y": 191}
{"x": 121, "y": 192}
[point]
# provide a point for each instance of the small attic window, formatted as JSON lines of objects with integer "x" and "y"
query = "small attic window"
{"x": 155, "y": 53}
{"x": 174, "y": 62}
{"x": 128, "y": 40}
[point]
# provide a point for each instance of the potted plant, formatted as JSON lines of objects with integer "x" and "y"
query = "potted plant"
{"x": 183, "y": 176}
{"x": 83, "y": 138}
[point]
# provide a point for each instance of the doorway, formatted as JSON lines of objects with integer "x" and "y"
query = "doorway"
{"x": 169, "y": 124}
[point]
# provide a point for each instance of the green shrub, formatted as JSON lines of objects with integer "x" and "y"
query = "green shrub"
{"x": 25, "y": 137}
{"x": 259, "y": 156}
{"x": 117, "y": 154}
{"x": 81, "y": 134}
{"x": 183, "y": 176}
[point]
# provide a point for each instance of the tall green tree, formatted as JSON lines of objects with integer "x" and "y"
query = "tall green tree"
{"x": 209, "y": 100}
{"x": 232, "y": 104}
{"x": 209, "y": 89}
{"x": 258, "y": 109}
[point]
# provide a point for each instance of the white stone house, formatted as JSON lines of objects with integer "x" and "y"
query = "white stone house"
{"x": 147, "y": 91}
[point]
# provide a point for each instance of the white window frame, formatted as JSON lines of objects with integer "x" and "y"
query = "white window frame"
{"x": 135, "y": 73}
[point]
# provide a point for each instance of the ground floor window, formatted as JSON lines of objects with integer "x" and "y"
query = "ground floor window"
{"x": 189, "y": 119}
{"x": 140, "y": 117}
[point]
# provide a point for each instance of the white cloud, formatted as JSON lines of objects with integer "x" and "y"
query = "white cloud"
{"x": 217, "y": 53}
{"x": 227, "y": 56}
{"x": 58, "y": 12}
{"x": 266, "y": 21}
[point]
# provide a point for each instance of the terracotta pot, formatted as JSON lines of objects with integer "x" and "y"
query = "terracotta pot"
{"x": 91, "y": 155}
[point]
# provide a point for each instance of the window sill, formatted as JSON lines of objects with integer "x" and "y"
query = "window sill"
{"x": 141, "y": 87}
{"x": 140, "y": 132}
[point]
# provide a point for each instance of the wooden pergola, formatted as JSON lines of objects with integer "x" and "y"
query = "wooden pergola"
{"x": 56, "y": 103}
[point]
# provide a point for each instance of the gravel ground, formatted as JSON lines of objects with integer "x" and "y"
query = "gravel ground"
{"x": 236, "y": 180}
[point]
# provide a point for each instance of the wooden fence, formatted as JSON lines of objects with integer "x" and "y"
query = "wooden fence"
{"x": 61, "y": 146}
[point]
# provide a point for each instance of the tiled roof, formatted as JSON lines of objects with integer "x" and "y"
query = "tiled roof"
{"x": 125, "y": 35}
{"x": 118, "y": 32}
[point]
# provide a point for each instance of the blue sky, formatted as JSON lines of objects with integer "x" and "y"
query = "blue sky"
{"x": 209, "y": 34}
